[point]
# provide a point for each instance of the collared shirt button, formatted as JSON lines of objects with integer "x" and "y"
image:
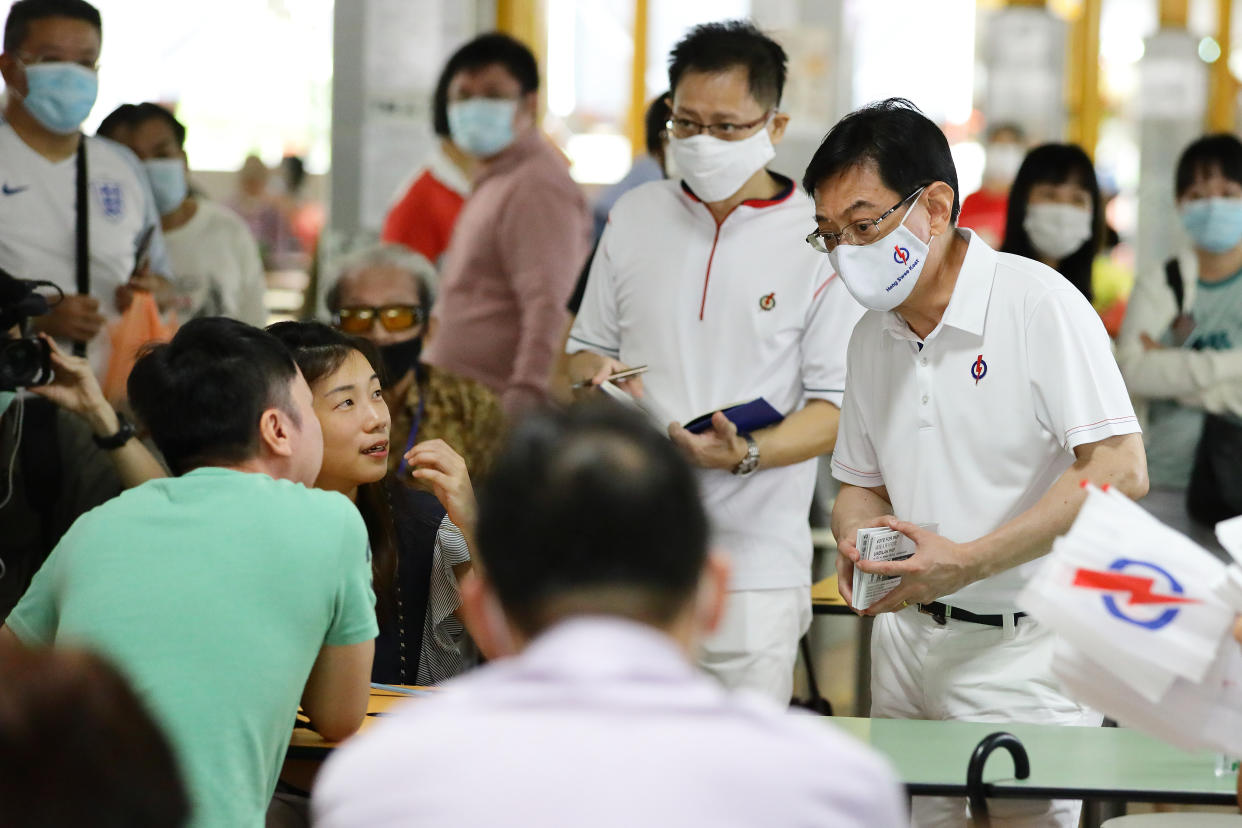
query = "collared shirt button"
{"x": 925, "y": 399}
{"x": 923, "y": 362}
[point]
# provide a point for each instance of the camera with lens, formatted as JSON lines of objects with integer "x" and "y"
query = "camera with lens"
{"x": 26, "y": 360}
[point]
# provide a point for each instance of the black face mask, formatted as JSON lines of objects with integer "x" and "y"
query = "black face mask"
{"x": 400, "y": 357}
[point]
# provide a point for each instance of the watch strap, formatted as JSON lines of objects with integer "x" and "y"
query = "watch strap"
{"x": 124, "y": 431}
{"x": 750, "y": 462}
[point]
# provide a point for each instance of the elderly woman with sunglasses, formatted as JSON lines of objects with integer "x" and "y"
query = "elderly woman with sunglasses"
{"x": 383, "y": 294}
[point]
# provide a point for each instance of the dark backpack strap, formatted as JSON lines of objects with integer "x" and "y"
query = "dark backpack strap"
{"x": 82, "y": 247}
{"x": 41, "y": 462}
{"x": 1173, "y": 275}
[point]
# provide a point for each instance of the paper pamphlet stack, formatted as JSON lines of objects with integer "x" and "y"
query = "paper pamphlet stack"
{"x": 880, "y": 544}
{"x": 1144, "y": 623}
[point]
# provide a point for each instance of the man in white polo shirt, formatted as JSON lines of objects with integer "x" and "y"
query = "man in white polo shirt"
{"x": 981, "y": 391}
{"x": 705, "y": 280}
{"x": 51, "y": 48}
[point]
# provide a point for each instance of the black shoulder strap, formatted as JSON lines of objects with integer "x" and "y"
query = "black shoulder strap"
{"x": 41, "y": 462}
{"x": 82, "y": 249}
{"x": 1173, "y": 275}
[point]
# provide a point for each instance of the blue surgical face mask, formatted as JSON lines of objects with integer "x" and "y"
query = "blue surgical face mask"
{"x": 167, "y": 177}
{"x": 1213, "y": 224}
{"x": 60, "y": 95}
{"x": 6, "y": 399}
{"x": 482, "y": 126}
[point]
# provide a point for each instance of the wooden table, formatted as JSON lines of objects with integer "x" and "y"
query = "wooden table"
{"x": 307, "y": 749}
{"x": 826, "y": 598}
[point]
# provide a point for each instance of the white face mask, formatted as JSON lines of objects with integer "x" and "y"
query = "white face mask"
{"x": 882, "y": 274}
{"x": 717, "y": 169}
{"x": 1002, "y": 161}
{"x": 1057, "y": 230}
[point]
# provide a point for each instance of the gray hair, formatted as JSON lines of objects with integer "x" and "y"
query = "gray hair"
{"x": 384, "y": 255}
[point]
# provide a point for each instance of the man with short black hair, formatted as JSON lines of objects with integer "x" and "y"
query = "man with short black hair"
{"x": 51, "y": 50}
{"x": 520, "y": 239}
{"x": 597, "y": 581}
{"x": 981, "y": 392}
{"x": 705, "y": 281}
{"x": 231, "y": 592}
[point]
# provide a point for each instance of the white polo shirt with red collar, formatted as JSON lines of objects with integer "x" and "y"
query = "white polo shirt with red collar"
{"x": 970, "y": 427}
{"x": 723, "y": 314}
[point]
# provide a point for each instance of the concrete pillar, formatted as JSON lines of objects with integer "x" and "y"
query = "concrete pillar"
{"x": 1024, "y": 59}
{"x": 1172, "y": 102}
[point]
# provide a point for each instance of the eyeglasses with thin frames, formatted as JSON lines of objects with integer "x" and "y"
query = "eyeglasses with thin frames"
{"x": 863, "y": 231}
{"x": 687, "y": 128}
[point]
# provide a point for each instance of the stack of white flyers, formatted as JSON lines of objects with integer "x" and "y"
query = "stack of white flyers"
{"x": 1144, "y": 618}
{"x": 880, "y": 544}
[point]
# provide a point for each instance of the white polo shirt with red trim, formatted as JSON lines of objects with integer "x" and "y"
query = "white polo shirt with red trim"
{"x": 970, "y": 427}
{"x": 723, "y": 314}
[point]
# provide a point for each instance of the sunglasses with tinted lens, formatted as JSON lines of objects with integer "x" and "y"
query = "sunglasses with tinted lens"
{"x": 394, "y": 318}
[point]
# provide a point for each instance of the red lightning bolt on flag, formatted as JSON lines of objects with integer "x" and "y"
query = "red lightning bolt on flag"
{"x": 1140, "y": 588}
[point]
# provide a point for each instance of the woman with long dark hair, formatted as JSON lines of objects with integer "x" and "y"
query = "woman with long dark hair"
{"x": 417, "y": 551}
{"x": 1055, "y": 212}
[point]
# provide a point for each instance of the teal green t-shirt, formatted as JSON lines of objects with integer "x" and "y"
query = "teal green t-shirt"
{"x": 1172, "y": 433}
{"x": 213, "y": 592}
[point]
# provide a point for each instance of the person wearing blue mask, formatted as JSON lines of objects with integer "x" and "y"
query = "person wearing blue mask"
{"x": 215, "y": 258}
{"x": 520, "y": 239}
{"x": 98, "y": 255}
{"x": 1181, "y": 348}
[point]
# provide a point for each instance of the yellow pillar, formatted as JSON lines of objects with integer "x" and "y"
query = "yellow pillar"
{"x": 1174, "y": 14}
{"x": 1084, "y": 77}
{"x": 1222, "y": 87}
{"x": 524, "y": 20}
{"x": 638, "y": 81}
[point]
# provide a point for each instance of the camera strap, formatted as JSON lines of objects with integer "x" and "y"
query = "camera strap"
{"x": 82, "y": 248}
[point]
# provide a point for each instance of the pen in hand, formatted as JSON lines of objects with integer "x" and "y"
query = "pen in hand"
{"x": 620, "y": 375}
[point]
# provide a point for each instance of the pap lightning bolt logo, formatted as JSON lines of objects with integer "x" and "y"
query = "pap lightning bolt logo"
{"x": 979, "y": 370}
{"x": 1140, "y": 591}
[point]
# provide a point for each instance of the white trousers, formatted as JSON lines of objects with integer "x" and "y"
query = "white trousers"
{"x": 756, "y": 644}
{"x": 974, "y": 673}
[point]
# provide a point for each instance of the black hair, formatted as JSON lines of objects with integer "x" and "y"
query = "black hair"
{"x": 202, "y": 394}
{"x": 25, "y": 12}
{"x": 319, "y": 350}
{"x": 655, "y": 123}
{"x": 1055, "y": 164}
{"x": 439, "y": 104}
{"x": 293, "y": 168}
{"x": 135, "y": 115}
{"x": 717, "y": 47}
{"x": 907, "y": 149}
{"x": 1220, "y": 151}
{"x": 79, "y": 747}
{"x": 585, "y": 504}
{"x": 118, "y": 119}
{"x": 494, "y": 47}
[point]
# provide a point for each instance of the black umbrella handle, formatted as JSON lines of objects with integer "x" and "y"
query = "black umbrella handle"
{"x": 974, "y": 772}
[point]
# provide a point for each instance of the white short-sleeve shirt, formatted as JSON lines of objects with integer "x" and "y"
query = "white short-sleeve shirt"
{"x": 38, "y": 223}
{"x": 218, "y": 265}
{"x": 971, "y": 427}
{"x": 724, "y": 314}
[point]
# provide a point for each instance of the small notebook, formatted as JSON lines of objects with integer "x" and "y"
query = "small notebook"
{"x": 747, "y": 416}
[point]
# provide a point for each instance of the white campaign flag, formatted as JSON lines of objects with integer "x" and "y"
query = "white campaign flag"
{"x": 1144, "y": 620}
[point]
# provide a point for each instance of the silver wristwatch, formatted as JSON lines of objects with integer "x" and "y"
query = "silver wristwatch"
{"x": 751, "y": 461}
